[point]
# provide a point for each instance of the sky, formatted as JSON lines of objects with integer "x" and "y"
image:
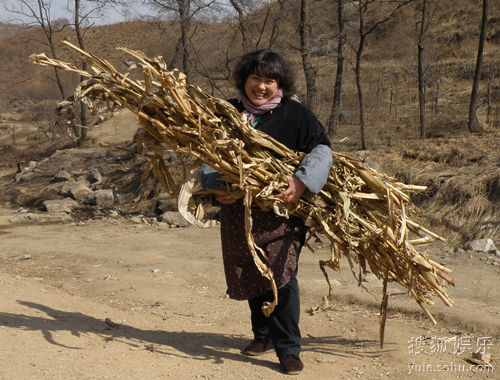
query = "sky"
{"x": 64, "y": 9}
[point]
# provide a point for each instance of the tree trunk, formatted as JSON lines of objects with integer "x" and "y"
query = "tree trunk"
{"x": 477, "y": 74}
{"x": 184, "y": 8}
{"x": 337, "y": 91}
{"x": 420, "y": 48}
{"x": 360, "y": 92}
{"x": 391, "y": 99}
{"x": 242, "y": 25}
{"x": 83, "y": 108}
{"x": 58, "y": 78}
{"x": 362, "y": 11}
{"x": 357, "y": 71}
{"x": 436, "y": 101}
{"x": 488, "y": 96}
{"x": 276, "y": 24}
{"x": 305, "y": 49}
{"x": 47, "y": 29}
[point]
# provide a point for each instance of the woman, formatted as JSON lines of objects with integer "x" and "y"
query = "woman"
{"x": 266, "y": 95}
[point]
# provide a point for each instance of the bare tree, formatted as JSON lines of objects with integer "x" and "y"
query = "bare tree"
{"x": 477, "y": 73}
{"x": 305, "y": 31}
{"x": 364, "y": 30}
{"x": 242, "y": 22}
{"x": 337, "y": 90}
{"x": 276, "y": 24}
{"x": 420, "y": 71}
{"x": 424, "y": 26}
{"x": 82, "y": 136}
{"x": 184, "y": 11}
{"x": 39, "y": 13}
{"x": 252, "y": 34}
{"x": 84, "y": 12}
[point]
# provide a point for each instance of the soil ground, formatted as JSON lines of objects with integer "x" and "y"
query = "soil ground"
{"x": 111, "y": 297}
{"x": 165, "y": 291}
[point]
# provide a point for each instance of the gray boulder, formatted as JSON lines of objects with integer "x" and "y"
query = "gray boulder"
{"x": 79, "y": 191}
{"x": 60, "y": 206}
{"x": 103, "y": 198}
{"x": 174, "y": 218}
{"x": 40, "y": 218}
{"x": 26, "y": 175}
{"x": 95, "y": 175}
{"x": 481, "y": 245}
{"x": 61, "y": 176}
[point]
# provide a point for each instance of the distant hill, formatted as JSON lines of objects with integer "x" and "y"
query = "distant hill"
{"x": 7, "y": 30}
{"x": 388, "y": 63}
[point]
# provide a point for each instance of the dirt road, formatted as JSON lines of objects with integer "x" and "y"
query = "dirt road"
{"x": 110, "y": 298}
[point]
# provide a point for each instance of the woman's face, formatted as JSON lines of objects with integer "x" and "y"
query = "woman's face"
{"x": 260, "y": 89}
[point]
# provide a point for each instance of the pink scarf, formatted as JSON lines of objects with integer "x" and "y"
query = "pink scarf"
{"x": 251, "y": 109}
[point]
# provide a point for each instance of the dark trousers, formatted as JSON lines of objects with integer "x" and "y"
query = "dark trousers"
{"x": 282, "y": 326}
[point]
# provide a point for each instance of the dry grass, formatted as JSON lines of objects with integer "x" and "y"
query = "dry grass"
{"x": 461, "y": 174}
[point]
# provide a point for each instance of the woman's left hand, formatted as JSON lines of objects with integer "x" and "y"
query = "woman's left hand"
{"x": 295, "y": 190}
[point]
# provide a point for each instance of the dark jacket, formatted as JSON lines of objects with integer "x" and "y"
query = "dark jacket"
{"x": 292, "y": 124}
{"x": 281, "y": 238}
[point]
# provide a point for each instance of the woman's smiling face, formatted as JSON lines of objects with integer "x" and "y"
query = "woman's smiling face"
{"x": 260, "y": 89}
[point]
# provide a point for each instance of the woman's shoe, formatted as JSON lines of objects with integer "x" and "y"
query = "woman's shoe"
{"x": 291, "y": 364}
{"x": 258, "y": 347}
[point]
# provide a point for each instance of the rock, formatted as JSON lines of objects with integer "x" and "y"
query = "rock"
{"x": 58, "y": 206}
{"x": 40, "y": 218}
{"x": 61, "y": 176}
{"x": 102, "y": 154}
{"x": 23, "y": 257}
{"x": 166, "y": 202}
{"x": 162, "y": 225}
{"x": 66, "y": 166}
{"x": 103, "y": 198}
{"x": 121, "y": 198}
{"x": 136, "y": 219}
{"x": 25, "y": 176}
{"x": 95, "y": 175}
{"x": 65, "y": 190}
{"x": 174, "y": 218}
{"x": 481, "y": 245}
{"x": 32, "y": 164}
{"x": 484, "y": 357}
{"x": 458, "y": 250}
{"x": 83, "y": 180}
{"x": 371, "y": 163}
{"x": 79, "y": 191}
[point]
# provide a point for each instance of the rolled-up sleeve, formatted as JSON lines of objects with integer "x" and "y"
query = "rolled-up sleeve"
{"x": 314, "y": 168}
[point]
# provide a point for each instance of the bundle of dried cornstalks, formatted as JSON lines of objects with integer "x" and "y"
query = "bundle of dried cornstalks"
{"x": 367, "y": 216}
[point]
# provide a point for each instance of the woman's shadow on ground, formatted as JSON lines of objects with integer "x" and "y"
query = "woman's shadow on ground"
{"x": 195, "y": 345}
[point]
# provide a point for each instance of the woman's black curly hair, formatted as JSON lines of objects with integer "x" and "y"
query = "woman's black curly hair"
{"x": 267, "y": 63}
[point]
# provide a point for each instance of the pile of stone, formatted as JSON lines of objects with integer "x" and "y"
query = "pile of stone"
{"x": 70, "y": 189}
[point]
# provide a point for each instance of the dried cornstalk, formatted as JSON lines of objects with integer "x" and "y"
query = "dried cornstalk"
{"x": 366, "y": 215}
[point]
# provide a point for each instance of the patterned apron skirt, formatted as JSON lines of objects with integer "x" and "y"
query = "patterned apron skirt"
{"x": 279, "y": 237}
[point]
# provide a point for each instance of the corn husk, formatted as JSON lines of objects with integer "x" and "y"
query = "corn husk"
{"x": 367, "y": 216}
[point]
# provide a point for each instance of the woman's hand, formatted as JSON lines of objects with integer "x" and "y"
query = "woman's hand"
{"x": 295, "y": 190}
{"x": 224, "y": 201}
